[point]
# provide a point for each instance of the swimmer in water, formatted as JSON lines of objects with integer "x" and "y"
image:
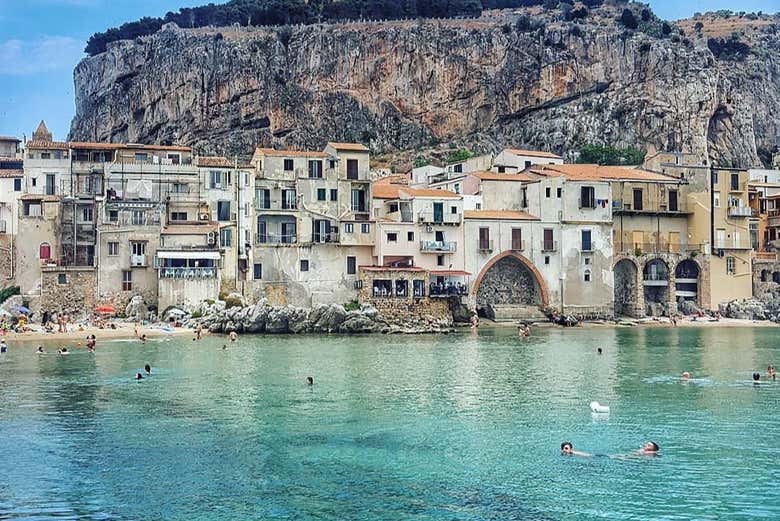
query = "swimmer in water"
{"x": 567, "y": 449}
{"x": 148, "y": 369}
{"x": 309, "y": 380}
{"x": 40, "y": 350}
{"x": 3, "y": 346}
{"x": 233, "y": 336}
{"x": 686, "y": 375}
{"x": 756, "y": 378}
{"x": 224, "y": 347}
{"x": 139, "y": 376}
{"x": 143, "y": 338}
{"x": 770, "y": 372}
{"x": 62, "y": 351}
{"x": 600, "y": 351}
{"x": 650, "y": 448}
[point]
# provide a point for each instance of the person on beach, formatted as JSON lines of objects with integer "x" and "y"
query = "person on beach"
{"x": 199, "y": 331}
{"x": 309, "y": 380}
{"x": 3, "y": 346}
{"x": 233, "y": 336}
{"x": 567, "y": 449}
{"x": 523, "y": 330}
{"x": 148, "y": 369}
{"x": 40, "y": 350}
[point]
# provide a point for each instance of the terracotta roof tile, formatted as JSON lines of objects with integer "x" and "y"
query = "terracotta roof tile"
{"x": 46, "y": 145}
{"x": 215, "y": 162}
{"x": 587, "y": 172}
{"x": 395, "y": 191}
{"x": 4, "y": 159}
{"x": 532, "y": 153}
{"x": 495, "y": 176}
{"x": 355, "y": 147}
{"x": 499, "y": 215}
{"x": 86, "y": 145}
{"x": 289, "y": 153}
{"x": 166, "y": 148}
{"x": 10, "y": 138}
{"x": 6, "y": 174}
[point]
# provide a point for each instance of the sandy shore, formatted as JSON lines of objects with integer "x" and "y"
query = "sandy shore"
{"x": 122, "y": 331}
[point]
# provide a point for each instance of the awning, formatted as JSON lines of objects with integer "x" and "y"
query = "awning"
{"x": 457, "y": 273}
{"x": 188, "y": 255}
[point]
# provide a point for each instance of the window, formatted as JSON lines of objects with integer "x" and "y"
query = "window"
{"x": 138, "y": 247}
{"x": 113, "y": 216}
{"x": 735, "y": 181}
{"x": 331, "y": 164}
{"x": 334, "y": 194}
{"x": 138, "y": 218}
{"x": 672, "y": 200}
{"x": 484, "y": 239}
{"x": 558, "y": 192}
{"x": 321, "y": 194}
{"x": 18, "y": 184}
{"x": 393, "y": 207}
{"x": 547, "y": 192}
{"x": 587, "y": 275}
{"x": 365, "y": 228}
{"x": 547, "y": 259}
{"x": 392, "y": 237}
{"x": 457, "y": 188}
{"x": 527, "y": 164}
{"x": 501, "y": 169}
{"x": 638, "y": 199}
{"x": 289, "y": 199}
{"x": 716, "y": 199}
{"x": 215, "y": 179}
{"x": 315, "y": 168}
{"x": 44, "y": 251}
{"x": 45, "y": 155}
{"x": 587, "y": 261}
{"x": 440, "y": 260}
{"x": 62, "y": 278}
{"x": 410, "y": 236}
{"x": 86, "y": 214}
{"x": 714, "y": 178}
{"x": 586, "y": 243}
{"x": 352, "y": 169}
{"x": 351, "y": 265}
{"x": 113, "y": 248}
{"x": 127, "y": 280}
{"x": 453, "y": 210}
{"x": 223, "y": 210}
{"x": 34, "y": 181}
{"x": 731, "y": 265}
{"x": 349, "y": 228}
{"x": 548, "y": 242}
{"x": 288, "y": 167}
{"x": 226, "y": 237}
{"x": 178, "y": 216}
{"x": 478, "y": 206}
{"x": 439, "y": 237}
{"x": 458, "y": 169}
{"x": 517, "y": 239}
{"x": 50, "y": 184}
{"x": 587, "y": 197}
{"x": 304, "y": 265}
{"x": 141, "y": 156}
{"x": 257, "y": 271}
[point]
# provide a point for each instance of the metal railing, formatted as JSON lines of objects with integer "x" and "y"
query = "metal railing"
{"x": 428, "y": 217}
{"x": 549, "y": 245}
{"x": 740, "y": 211}
{"x": 438, "y": 246}
{"x": 273, "y": 238}
{"x": 655, "y": 276}
{"x": 483, "y": 245}
{"x": 187, "y": 273}
{"x": 518, "y": 246}
{"x": 448, "y": 290}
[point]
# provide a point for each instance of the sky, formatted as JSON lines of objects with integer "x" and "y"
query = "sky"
{"x": 41, "y": 41}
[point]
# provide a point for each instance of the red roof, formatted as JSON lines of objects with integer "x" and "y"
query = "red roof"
{"x": 46, "y": 145}
{"x": 7, "y": 174}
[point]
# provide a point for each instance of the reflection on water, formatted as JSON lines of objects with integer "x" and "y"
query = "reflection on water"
{"x": 434, "y": 427}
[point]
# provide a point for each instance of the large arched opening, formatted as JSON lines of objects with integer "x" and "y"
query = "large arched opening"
{"x": 509, "y": 287}
{"x": 686, "y": 282}
{"x": 655, "y": 280}
{"x": 626, "y": 291}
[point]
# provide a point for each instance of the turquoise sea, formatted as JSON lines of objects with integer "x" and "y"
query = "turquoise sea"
{"x": 448, "y": 427}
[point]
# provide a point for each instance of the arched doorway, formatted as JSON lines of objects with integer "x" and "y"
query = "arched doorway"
{"x": 510, "y": 287}
{"x": 626, "y": 294}
{"x": 686, "y": 281}
{"x": 655, "y": 280}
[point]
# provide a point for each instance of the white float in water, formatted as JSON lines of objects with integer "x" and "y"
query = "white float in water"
{"x": 598, "y": 408}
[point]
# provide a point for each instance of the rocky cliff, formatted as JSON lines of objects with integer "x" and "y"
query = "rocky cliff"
{"x": 483, "y": 83}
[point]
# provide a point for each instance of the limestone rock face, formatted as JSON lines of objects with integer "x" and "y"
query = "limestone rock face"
{"x": 136, "y": 309}
{"x": 482, "y": 83}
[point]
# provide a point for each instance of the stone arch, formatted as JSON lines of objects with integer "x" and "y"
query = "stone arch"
{"x": 656, "y": 281}
{"x": 509, "y": 279}
{"x": 686, "y": 280}
{"x": 627, "y": 290}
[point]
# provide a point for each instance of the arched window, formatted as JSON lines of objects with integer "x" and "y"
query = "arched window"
{"x": 44, "y": 251}
{"x": 587, "y": 275}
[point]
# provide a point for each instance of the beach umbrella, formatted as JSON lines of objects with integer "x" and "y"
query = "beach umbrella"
{"x": 105, "y": 309}
{"x": 22, "y": 309}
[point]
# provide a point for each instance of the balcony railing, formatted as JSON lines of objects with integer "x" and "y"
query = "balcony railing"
{"x": 641, "y": 248}
{"x": 359, "y": 209}
{"x": 188, "y": 273}
{"x": 138, "y": 261}
{"x": 655, "y": 276}
{"x": 272, "y": 238}
{"x": 438, "y": 246}
{"x": 549, "y": 245}
{"x": 518, "y": 246}
{"x": 485, "y": 245}
{"x": 273, "y": 205}
{"x": 323, "y": 238}
{"x": 445, "y": 218}
{"x": 448, "y": 290}
{"x": 587, "y": 203}
{"x": 740, "y": 211}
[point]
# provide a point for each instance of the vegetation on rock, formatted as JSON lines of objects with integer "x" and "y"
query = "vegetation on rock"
{"x": 607, "y": 155}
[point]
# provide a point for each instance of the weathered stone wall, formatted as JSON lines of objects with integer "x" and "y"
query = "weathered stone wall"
{"x": 764, "y": 277}
{"x": 413, "y": 314}
{"x": 629, "y": 300}
{"x": 6, "y": 260}
{"x": 75, "y": 297}
{"x": 508, "y": 282}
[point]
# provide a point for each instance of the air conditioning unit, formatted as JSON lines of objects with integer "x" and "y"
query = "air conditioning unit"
{"x": 212, "y": 238}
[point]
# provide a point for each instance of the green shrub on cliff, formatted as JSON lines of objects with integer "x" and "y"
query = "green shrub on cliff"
{"x": 607, "y": 155}
{"x": 8, "y": 292}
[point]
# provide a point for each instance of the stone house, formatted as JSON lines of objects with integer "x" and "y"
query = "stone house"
{"x": 513, "y": 160}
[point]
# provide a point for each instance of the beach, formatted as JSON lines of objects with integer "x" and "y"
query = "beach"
{"x": 74, "y": 334}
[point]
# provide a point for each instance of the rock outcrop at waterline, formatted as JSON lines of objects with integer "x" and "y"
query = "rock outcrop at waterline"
{"x": 326, "y": 318}
{"x": 482, "y": 83}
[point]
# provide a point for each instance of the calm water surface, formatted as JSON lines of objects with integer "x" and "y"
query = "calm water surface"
{"x": 461, "y": 427}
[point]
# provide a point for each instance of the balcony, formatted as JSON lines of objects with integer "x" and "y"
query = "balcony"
{"x": 438, "y": 246}
{"x": 324, "y": 238}
{"x": 518, "y": 246}
{"x": 138, "y": 261}
{"x": 660, "y": 247}
{"x": 740, "y": 211}
{"x": 272, "y": 238}
{"x": 587, "y": 204}
{"x": 188, "y": 273}
{"x": 549, "y": 246}
{"x": 485, "y": 246}
{"x": 428, "y": 217}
